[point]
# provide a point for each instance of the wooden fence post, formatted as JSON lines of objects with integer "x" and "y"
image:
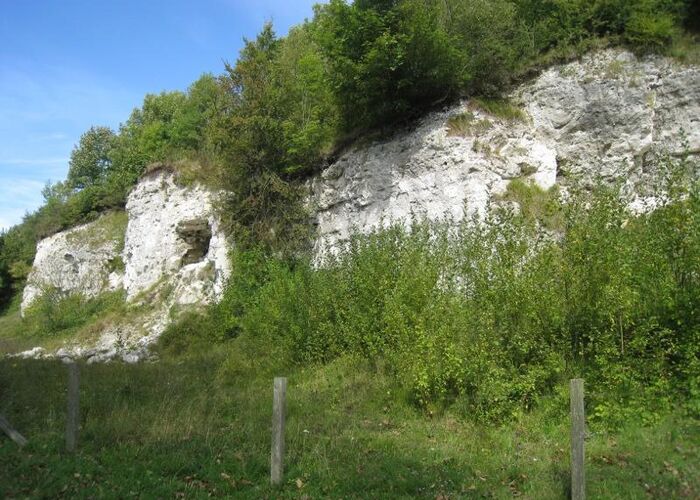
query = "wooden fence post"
{"x": 578, "y": 431}
{"x": 278, "y": 416}
{"x": 73, "y": 408}
{"x": 11, "y": 432}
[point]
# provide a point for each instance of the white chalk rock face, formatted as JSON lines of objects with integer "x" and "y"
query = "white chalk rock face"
{"x": 174, "y": 237}
{"x": 167, "y": 250}
{"x": 602, "y": 117}
{"x": 604, "y": 114}
{"x": 85, "y": 259}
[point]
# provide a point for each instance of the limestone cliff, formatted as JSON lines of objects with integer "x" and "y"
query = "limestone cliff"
{"x": 166, "y": 252}
{"x": 602, "y": 116}
{"x": 86, "y": 259}
{"x": 174, "y": 235}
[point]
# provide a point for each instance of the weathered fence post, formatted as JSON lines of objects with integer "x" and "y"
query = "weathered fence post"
{"x": 578, "y": 431}
{"x": 73, "y": 409}
{"x": 13, "y": 434}
{"x": 278, "y": 416}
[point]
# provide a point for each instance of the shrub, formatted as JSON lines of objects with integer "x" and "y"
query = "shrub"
{"x": 493, "y": 316}
{"x": 537, "y": 205}
{"x": 650, "y": 31}
{"x": 387, "y": 60}
{"x": 56, "y": 313}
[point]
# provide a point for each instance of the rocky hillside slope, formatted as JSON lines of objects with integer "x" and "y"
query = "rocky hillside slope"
{"x": 603, "y": 116}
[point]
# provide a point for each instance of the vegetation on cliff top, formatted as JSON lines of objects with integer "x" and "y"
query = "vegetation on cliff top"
{"x": 287, "y": 103}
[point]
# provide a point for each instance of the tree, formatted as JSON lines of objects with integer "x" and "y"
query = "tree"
{"x": 90, "y": 159}
{"x": 278, "y": 120}
{"x": 191, "y": 120}
{"x": 491, "y": 41}
{"x": 388, "y": 59}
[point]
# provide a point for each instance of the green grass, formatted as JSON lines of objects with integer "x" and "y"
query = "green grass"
{"x": 110, "y": 227}
{"x": 194, "y": 425}
{"x": 500, "y": 108}
{"x": 536, "y": 204}
{"x": 614, "y": 70}
{"x": 53, "y": 320}
{"x": 464, "y": 124}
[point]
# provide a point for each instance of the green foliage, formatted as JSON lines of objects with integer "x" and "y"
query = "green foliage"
{"x": 647, "y": 24}
{"x": 90, "y": 159}
{"x": 536, "y": 205}
{"x": 387, "y": 60}
{"x": 282, "y": 116}
{"x": 391, "y": 60}
{"x": 651, "y": 31}
{"x": 169, "y": 127}
{"x": 193, "y": 330}
{"x": 55, "y": 313}
{"x": 17, "y": 249}
{"x": 492, "y": 40}
{"x": 280, "y": 120}
{"x": 490, "y": 317}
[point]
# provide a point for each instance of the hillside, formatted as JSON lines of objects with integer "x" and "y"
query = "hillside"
{"x": 441, "y": 340}
{"x": 429, "y": 216}
{"x": 629, "y": 111}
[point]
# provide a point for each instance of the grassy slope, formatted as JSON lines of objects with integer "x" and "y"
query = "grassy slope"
{"x": 199, "y": 424}
{"x": 81, "y": 322}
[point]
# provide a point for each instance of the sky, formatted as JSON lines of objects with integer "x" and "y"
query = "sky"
{"x": 66, "y": 65}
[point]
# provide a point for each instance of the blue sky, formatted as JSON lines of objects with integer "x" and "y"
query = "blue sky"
{"x": 68, "y": 64}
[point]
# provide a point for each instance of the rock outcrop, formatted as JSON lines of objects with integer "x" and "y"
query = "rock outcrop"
{"x": 85, "y": 259}
{"x": 167, "y": 252}
{"x": 604, "y": 116}
{"x": 169, "y": 235}
{"x": 174, "y": 235}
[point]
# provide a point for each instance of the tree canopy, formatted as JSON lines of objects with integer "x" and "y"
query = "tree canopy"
{"x": 90, "y": 159}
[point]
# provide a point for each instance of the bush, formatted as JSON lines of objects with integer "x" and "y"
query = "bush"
{"x": 388, "y": 60}
{"x": 493, "y": 316}
{"x": 536, "y": 205}
{"x": 57, "y": 313}
{"x": 650, "y": 31}
{"x": 492, "y": 42}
